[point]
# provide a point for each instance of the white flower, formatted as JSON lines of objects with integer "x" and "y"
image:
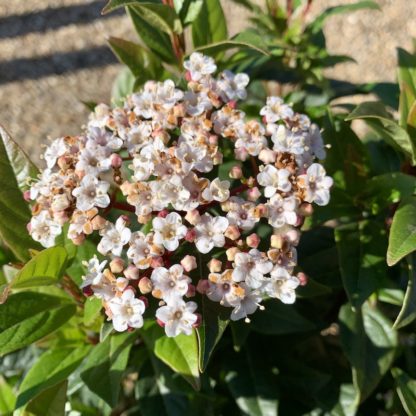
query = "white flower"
{"x": 94, "y": 159}
{"x": 251, "y": 267}
{"x": 286, "y": 141}
{"x": 109, "y": 287}
{"x": 282, "y": 285}
{"x": 44, "y": 229}
{"x": 316, "y": 142}
{"x": 114, "y": 237}
{"x": 173, "y": 192}
{"x": 167, "y": 94}
{"x": 218, "y": 190}
{"x": 193, "y": 157}
{"x": 94, "y": 272}
{"x": 171, "y": 283}
{"x": 233, "y": 86}
{"x": 60, "y": 202}
{"x": 316, "y": 184}
{"x": 245, "y": 305}
{"x": 222, "y": 288}
{"x": 241, "y": 214}
{"x": 197, "y": 103}
{"x": 127, "y": 311}
{"x": 138, "y": 136}
{"x": 178, "y": 317}
{"x": 274, "y": 179}
{"x": 282, "y": 210}
{"x": 103, "y": 138}
{"x": 275, "y": 110}
{"x": 142, "y": 249}
{"x": 169, "y": 230}
{"x": 91, "y": 192}
{"x": 55, "y": 150}
{"x": 199, "y": 66}
{"x": 210, "y": 233}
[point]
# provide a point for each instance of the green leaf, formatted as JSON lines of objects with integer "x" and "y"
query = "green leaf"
{"x": 376, "y": 116}
{"x": 15, "y": 167}
{"x": 123, "y": 86}
{"x": 92, "y": 310}
{"x": 215, "y": 48}
{"x": 188, "y": 10}
{"x": 407, "y": 83}
{"x": 52, "y": 367}
{"x": 406, "y": 390}
{"x": 279, "y": 319}
{"x": 408, "y": 311}
{"x": 210, "y": 26}
{"x": 115, "y": 4}
{"x": 215, "y": 319}
{"x": 50, "y": 402}
{"x": 28, "y": 316}
{"x": 402, "y": 239}
{"x": 361, "y": 251}
{"x": 103, "y": 371}
{"x": 369, "y": 344}
{"x": 158, "y": 42}
{"x": 180, "y": 353}
{"x": 7, "y": 397}
{"x": 318, "y": 23}
{"x": 160, "y": 16}
{"x": 142, "y": 63}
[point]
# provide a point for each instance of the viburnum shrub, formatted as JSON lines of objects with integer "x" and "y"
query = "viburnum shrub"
{"x": 161, "y": 151}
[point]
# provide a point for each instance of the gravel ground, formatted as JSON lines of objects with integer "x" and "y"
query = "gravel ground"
{"x": 53, "y": 56}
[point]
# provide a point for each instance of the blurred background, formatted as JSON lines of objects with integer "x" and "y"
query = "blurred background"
{"x": 53, "y": 56}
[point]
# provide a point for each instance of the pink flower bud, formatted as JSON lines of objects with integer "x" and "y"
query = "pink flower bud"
{"x": 26, "y": 196}
{"x": 98, "y": 222}
{"x": 231, "y": 252}
{"x": 87, "y": 291}
{"x": 116, "y": 160}
{"x": 267, "y": 156}
{"x": 232, "y": 232}
{"x": 126, "y": 219}
{"x": 241, "y": 154}
{"x": 232, "y": 104}
{"x": 145, "y": 285}
{"x": 303, "y": 279}
{"x": 117, "y": 265}
{"x": 190, "y": 235}
{"x": 213, "y": 139}
{"x": 306, "y": 209}
{"x": 191, "y": 291}
{"x": 253, "y": 194}
{"x": 214, "y": 265}
{"x": 131, "y": 273}
{"x": 193, "y": 216}
{"x": 157, "y": 262}
{"x": 188, "y": 76}
{"x": 189, "y": 263}
{"x": 253, "y": 240}
{"x": 163, "y": 214}
{"x": 236, "y": 172}
{"x": 203, "y": 286}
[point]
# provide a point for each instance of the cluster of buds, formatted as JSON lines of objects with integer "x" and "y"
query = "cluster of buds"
{"x": 180, "y": 228}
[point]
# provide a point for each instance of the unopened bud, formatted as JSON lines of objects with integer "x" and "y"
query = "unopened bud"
{"x": 132, "y": 272}
{"x": 26, "y": 196}
{"x": 163, "y": 214}
{"x": 267, "y": 156}
{"x": 98, "y": 222}
{"x": 253, "y": 194}
{"x": 236, "y": 172}
{"x": 189, "y": 263}
{"x": 157, "y": 262}
{"x": 87, "y": 291}
{"x": 213, "y": 139}
{"x": 232, "y": 232}
{"x": 231, "y": 252}
{"x": 241, "y": 154}
{"x": 306, "y": 209}
{"x": 276, "y": 241}
{"x": 145, "y": 285}
{"x": 253, "y": 240}
{"x": 190, "y": 235}
{"x": 303, "y": 279}
{"x": 188, "y": 76}
{"x": 191, "y": 291}
{"x": 232, "y": 104}
{"x": 203, "y": 286}
{"x": 156, "y": 293}
{"x": 214, "y": 265}
{"x": 193, "y": 216}
{"x": 116, "y": 160}
{"x": 117, "y": 265}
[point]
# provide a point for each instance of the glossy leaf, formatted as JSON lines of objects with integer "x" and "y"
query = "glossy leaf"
{"x": 50, "y": 402}
{"x": 406, "y": 390}
{"x": 188, "y": 10}
{"x": 7, "y": 397}
{"x": 52, "y": 367}
{"x": 92, "y": 310}
{"x": 103, "y": 370}
{"x": 27, "y": 317}
{"x": 407, "y": 83}
{"x": 210, "y": 26}
{"x": 402, "y": 239}
{"x": 14, "y": 210}
{"x": 361, "y": 251}
{"x": 376, "y": 116}
{"x": 115, "y": 4}
{"x": 369, "y": 343}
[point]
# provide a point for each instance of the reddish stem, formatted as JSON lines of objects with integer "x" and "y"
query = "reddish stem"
{"x": 123, "y": 207}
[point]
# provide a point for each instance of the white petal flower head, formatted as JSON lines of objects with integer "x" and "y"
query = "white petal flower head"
{"x": 109, "y": 287}
{"x": 251, "y": 268}
{"x": 275, "y": 110}
{"x": 94, "y": 159}
{"x": 241, "y": 214}
{"x": 178, "y": 317}
{"x": 169, "y": 230}
{"x": 44, "y": 229}
{"x": 114, "y": 237}
{"x": 200, "y": 66}
{"x": 273, "y": 180}
{"x": 94, "y": 272}
{"x": 287, "y": 141}
{"x": 282, "y": 285}
{"x": 127, "y": 311}
{"x": 218, "y": 190}
{"x": 197, "y": 103}
{"x": 103, "y": 138}
{"x": 233, "y": 86}
{"x": 167, "y": 94}
{"x": 142, "y": 250}
{"x": 56, "y": 149}
{"x": 91, "y": 192}
{"x": 221, "y": 288}
{"x": 245, "y": 305}
{"x": 171, "y": 283}
{"x": 316, "y": 184}
{"x": 210, "y": 233}
{"x": 282, "y": 210}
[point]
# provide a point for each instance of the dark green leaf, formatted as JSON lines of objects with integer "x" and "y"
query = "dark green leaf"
{"x": 15, "y": 167}
{"x": 407, "y": 82}
{"x": 402, "y": 239}
{"x": 115, "y": 4}
{"x": 188, "y": 10}
{"x": 52, "y": 367}
{"x": 369, "y": 344}
{"x": 50, "y": 402}
{"x": 103, "y": 370}
{"x": 28, "y": 316}
{"x": 406, "y": 389}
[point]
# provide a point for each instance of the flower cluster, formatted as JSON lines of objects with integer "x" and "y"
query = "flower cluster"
{"x": 179, "y": 228}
